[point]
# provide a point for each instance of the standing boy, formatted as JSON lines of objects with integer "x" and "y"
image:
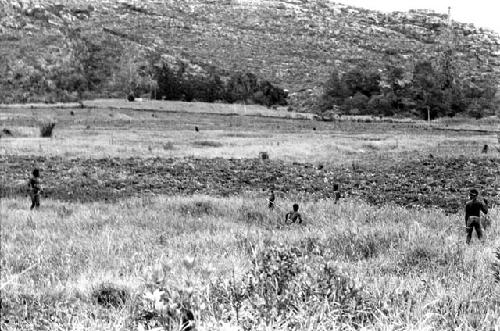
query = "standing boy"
{"x": 271, "y": 200}
{"x": 473, "y": 210}
{"x": 35, "y": 189}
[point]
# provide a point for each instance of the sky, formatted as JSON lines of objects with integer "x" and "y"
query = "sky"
{"x": 483, "y": 13}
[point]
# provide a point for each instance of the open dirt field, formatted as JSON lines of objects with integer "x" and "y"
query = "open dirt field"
{"x": 428, "y": 182}
{"x": 149, "y": 224}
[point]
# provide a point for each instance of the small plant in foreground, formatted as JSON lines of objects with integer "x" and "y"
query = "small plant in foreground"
{"x": 287, "y": 286}
{"x": 46, "y": 129}
{"x": 166, "y": 308}
{"x": 495, "y": 266}
{"x": 108, "y": 295}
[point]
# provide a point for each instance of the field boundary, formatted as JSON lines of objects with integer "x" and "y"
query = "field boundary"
{"x": 171, "y": 107}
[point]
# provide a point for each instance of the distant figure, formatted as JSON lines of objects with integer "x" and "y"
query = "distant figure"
{"x": 263, "y": 156}
{"x": 35, "y": 189}
{"x": 130, "y": 96}
{"x": 336, "y": 192}
{"x": 196, "y": 129}
{"x": 485, "y": 149}
{"x": 473, "y": 210}
{"x": 294, "y": 216}
{"x": 271, "y": 200}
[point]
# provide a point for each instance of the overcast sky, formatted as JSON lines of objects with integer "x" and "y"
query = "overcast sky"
{"x": 483, "y": 13}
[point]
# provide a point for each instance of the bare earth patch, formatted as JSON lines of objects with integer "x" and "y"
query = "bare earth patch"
{"x": 430, "y": 181}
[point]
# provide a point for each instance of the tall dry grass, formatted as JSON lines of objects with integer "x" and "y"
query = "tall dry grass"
{"x": 154, "y": 258}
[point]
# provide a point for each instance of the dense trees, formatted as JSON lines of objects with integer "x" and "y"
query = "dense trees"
{"x": 209, "y": 87}
{"x": 432, "y": 88}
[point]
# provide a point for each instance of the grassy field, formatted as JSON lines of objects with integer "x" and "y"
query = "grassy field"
{"x": 164, "y": 262}
{"x": 169, "y": 131}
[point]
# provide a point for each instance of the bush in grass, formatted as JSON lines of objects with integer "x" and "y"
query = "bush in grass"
{"x": 287, "y": 286}
{"x": 352, "y": 247}
{"x": 46, "y": 129}
{"x": 166, "y": 308}
{"x": 197, "y": 208}
{"x": 168, "y": 146}
{"x": 423, "y": 257}
{"x": 109, "y": 295}
{"x": 249, "y": 215}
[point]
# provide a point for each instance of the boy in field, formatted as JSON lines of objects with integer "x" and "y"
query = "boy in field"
{"x": 294, "y": 216}
{"x": 473, "y": 209}
{"x": 35, "y": 189}
{"x": 336, "y": 192}
{"x": 271, "y": 199}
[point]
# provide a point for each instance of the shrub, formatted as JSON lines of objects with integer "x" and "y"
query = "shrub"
{"x": 46, "y": 129}
{"x": 352, "y": 247}
{"x": 250, "y": 216}
{"x": 166, "y": 308}
{"x": 109, "y": 295}
{"x": 168, "y": 146}
{"x": 286, "y": 286}
{"x": 197, "y": 208}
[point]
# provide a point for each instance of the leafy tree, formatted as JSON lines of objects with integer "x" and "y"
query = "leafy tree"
{"x": 352, "y": 89}
{"x": 363, "y": 81}
{"x": 380, "y": 105}
{"x": 241, "y": 87}
{"x": 169, "y": 83}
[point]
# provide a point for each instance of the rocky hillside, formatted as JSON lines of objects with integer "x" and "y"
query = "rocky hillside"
{"x": 292, "y": 43}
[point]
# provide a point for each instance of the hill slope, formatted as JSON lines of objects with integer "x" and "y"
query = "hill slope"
{"x": 292, "y": 43}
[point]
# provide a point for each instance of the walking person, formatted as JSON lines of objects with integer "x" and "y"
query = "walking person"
{"x": 35, "y": 189}
{"x": 271, "y": 199}
{"x": 473, "y": 209}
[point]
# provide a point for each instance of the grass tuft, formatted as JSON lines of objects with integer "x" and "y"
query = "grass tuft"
{"x": 168, "y": 146}
{"x": 197, "y": 208}
{"x": 47, "y": 129}
{"x": 109, "y": 295}
{"x": 249, "y": 215}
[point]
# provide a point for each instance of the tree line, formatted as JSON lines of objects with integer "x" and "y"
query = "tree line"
{"x": 434, "y": 88}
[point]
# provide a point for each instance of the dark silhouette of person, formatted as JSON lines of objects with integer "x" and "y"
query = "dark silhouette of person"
{"x": 293, "y": 216}
{"x": 271, "y": 200}
{"x": 35, "y": 189}
{"x": 473, "y": 209}
{"x": 336, "y": 192}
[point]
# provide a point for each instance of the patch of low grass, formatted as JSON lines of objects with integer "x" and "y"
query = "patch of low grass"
{"x": 252, "y": 216}
{"x": 168, "y": 146}
{"x": 207, "y": 143}
{"x": 197, "y": 208}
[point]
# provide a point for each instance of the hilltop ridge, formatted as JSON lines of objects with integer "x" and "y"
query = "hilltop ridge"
{"x": 294, "y": 44}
